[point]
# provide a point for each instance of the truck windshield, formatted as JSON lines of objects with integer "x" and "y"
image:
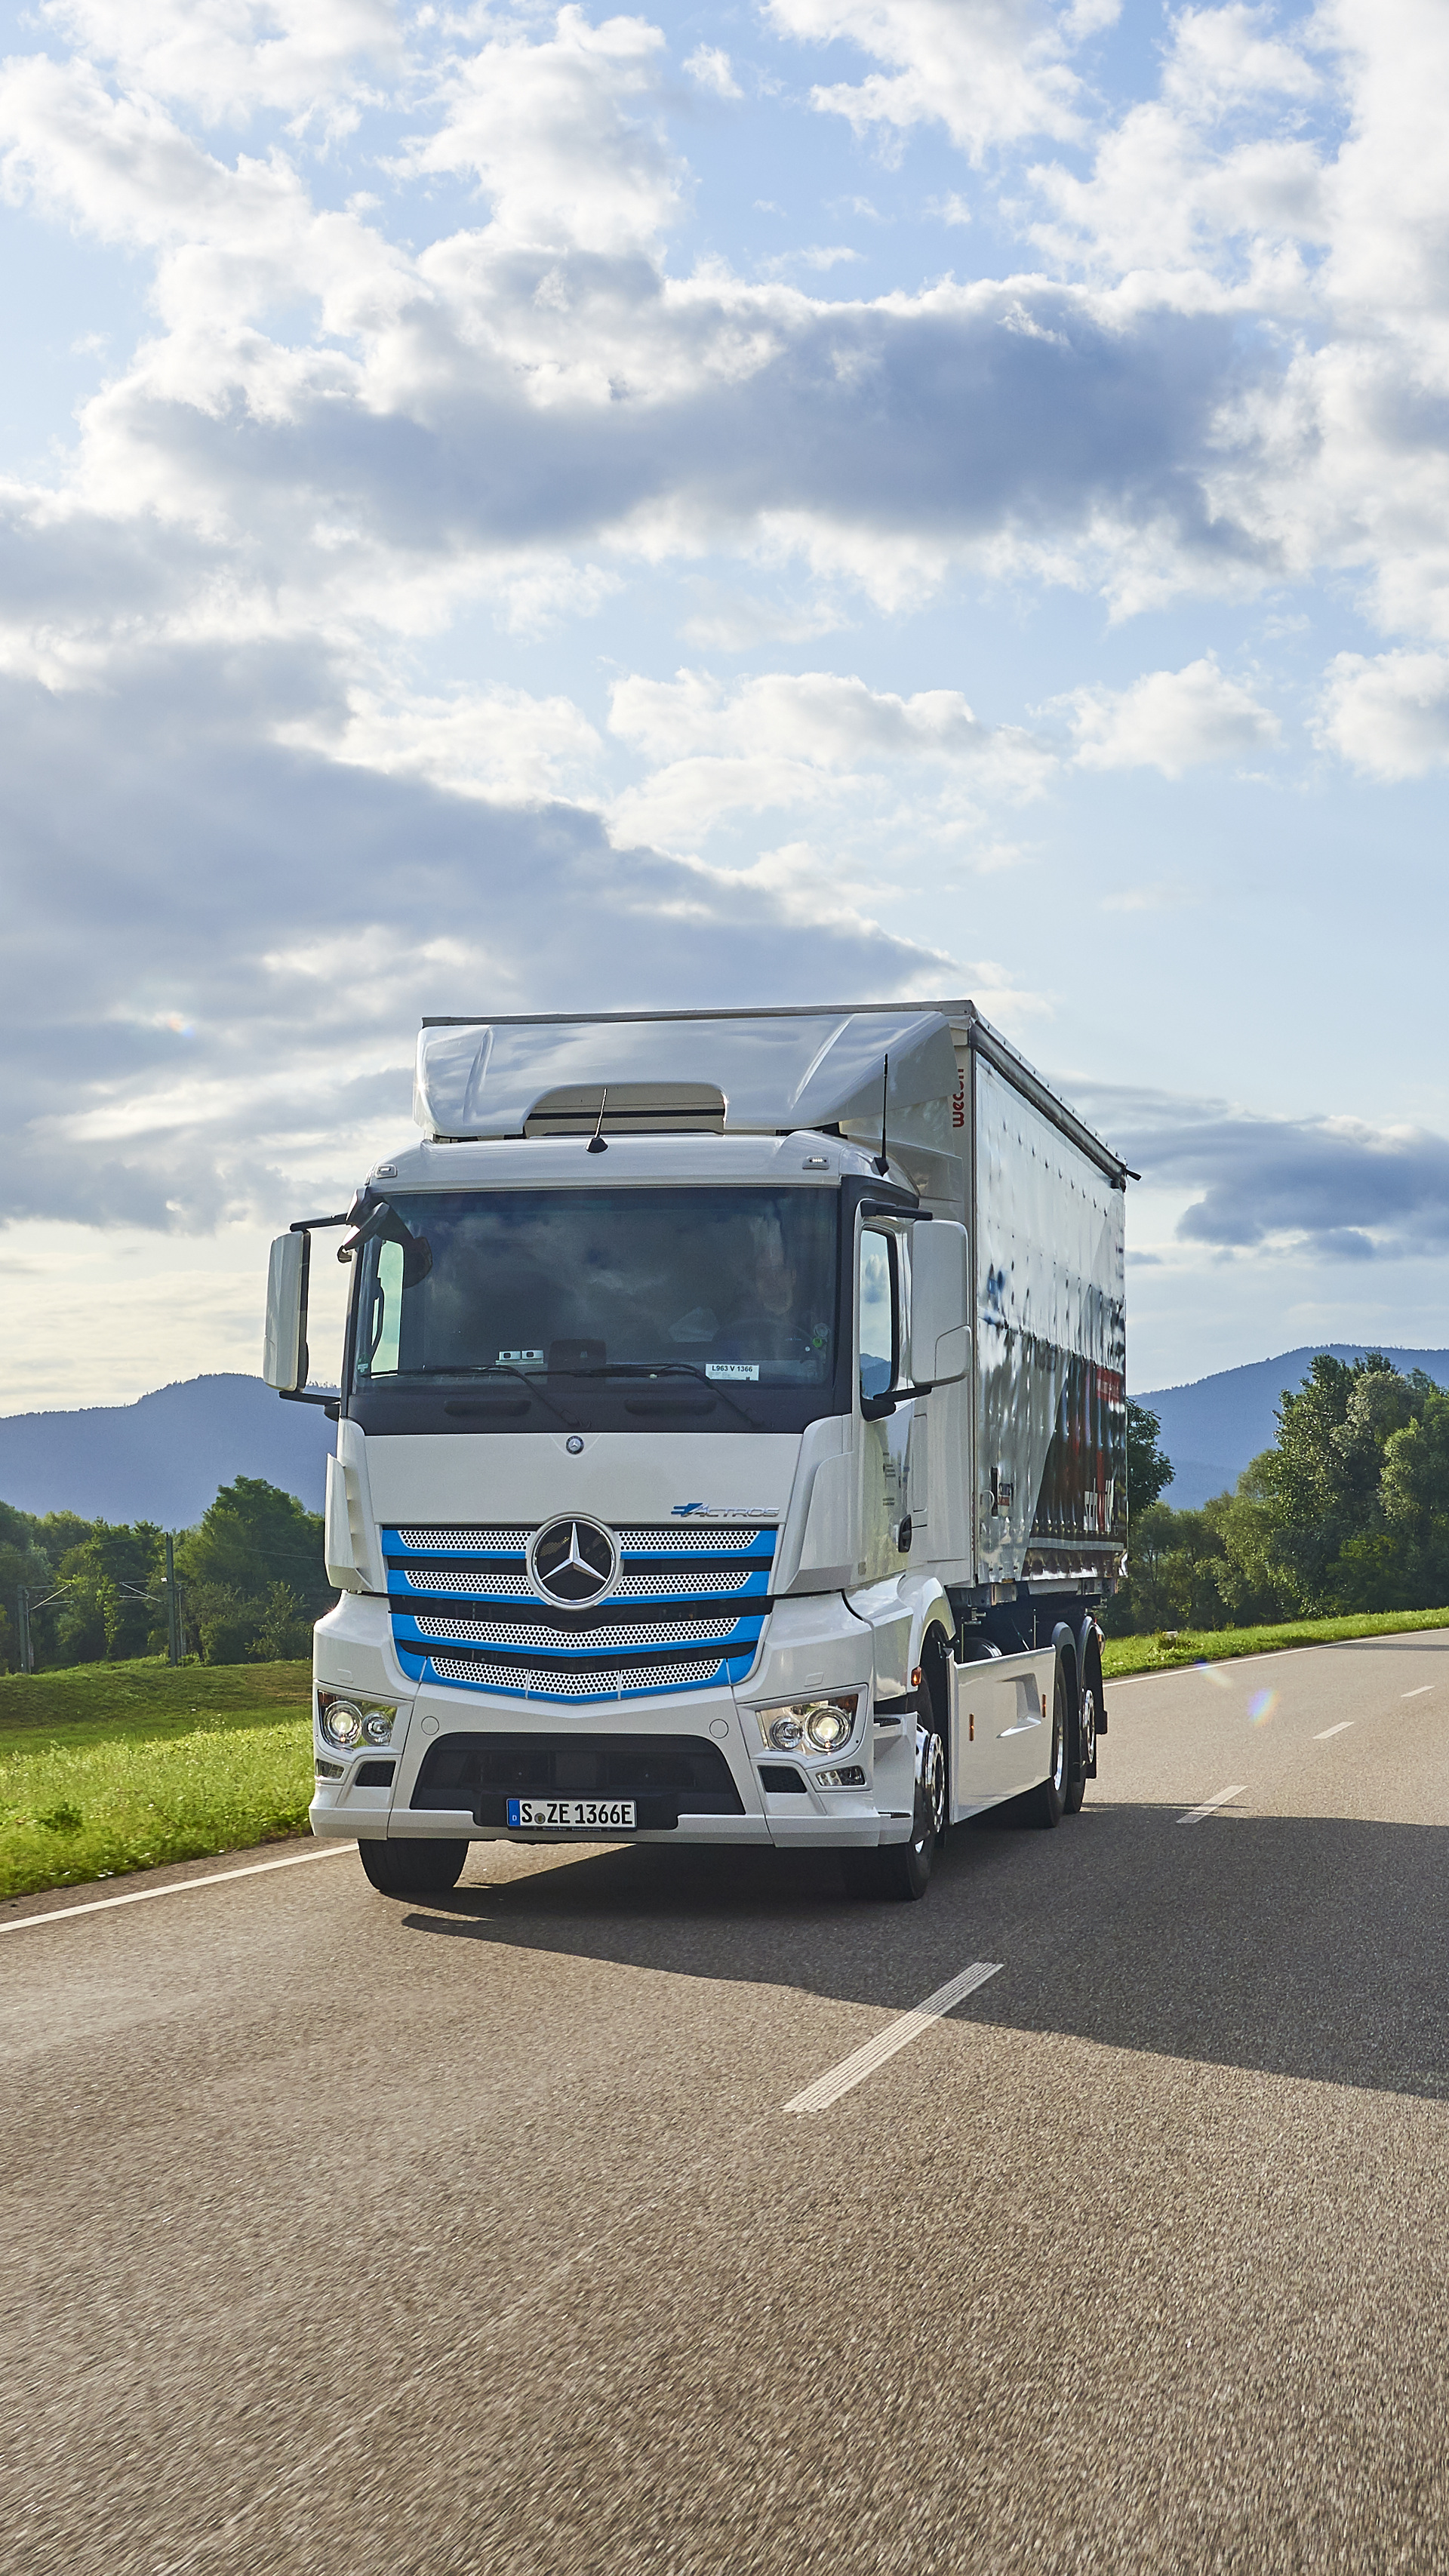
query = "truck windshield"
{"x": 738, "y": 1285}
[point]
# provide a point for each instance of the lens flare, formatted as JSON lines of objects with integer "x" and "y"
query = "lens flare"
{"x": 1261, "y": 1707}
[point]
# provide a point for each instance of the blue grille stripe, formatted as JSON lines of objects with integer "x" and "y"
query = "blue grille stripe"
{"x": 725, "y": 1673}
{"x": 549, "y": 1648}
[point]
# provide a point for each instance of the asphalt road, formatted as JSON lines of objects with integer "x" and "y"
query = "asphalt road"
{"x": 473, "y": 2238}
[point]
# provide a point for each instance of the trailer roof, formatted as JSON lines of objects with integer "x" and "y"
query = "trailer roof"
{"x": 767, "y": 1070}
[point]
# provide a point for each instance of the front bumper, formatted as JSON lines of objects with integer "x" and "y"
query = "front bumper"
{"x": 810, "y": 1818}
{"x": 814, "y": 1643}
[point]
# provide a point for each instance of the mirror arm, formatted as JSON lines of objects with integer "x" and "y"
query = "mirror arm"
{"x": 331, "y": 1404}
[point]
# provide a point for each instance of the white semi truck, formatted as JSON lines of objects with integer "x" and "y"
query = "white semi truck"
{"x": 730, "y": 1442}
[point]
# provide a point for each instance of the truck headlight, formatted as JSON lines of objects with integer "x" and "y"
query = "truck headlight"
{"x": 350, "y": 1722}
{"x": 810, "y": 1725}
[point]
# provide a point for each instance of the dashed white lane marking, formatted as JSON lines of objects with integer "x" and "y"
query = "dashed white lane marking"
{"x": 177, "y": 1887}
{"x": 1416, "y": 1694}
{"x": 897, "y": 2034}
{"x": 1195, "y": 1815}
{"x": 1342, "y": 1728}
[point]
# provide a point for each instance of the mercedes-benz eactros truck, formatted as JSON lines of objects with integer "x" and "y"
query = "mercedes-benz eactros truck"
{"x": 730, "y": 1442}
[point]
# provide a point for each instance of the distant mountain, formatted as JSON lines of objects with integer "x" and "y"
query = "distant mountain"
{"x": 162, "y": 1458}
{"x": 1212, "y": 1428}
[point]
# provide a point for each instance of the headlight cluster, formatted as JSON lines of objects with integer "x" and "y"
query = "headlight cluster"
{"x": 810, "y": 1725}
{"x": 350, "y": 1722}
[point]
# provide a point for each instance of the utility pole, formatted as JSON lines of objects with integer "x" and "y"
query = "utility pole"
{"x": 173, "y": 1605}
{"x": 27, "y": 1659}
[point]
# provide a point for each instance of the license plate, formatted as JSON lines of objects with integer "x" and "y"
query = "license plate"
{"x": 574, "y": 1815}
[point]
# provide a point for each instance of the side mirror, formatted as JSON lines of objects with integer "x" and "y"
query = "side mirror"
{"x": 940, "y": 1304}
{"x": 284, "y": 1349}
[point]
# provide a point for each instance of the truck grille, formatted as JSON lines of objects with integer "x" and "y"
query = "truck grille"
{"x": 465, "y": 1612}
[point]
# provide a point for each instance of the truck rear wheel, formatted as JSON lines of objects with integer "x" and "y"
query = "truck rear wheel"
{"x": 413, "y": 1869}
{"x": 1076, "y": 1789}
{"x": 1046, "y": 1804}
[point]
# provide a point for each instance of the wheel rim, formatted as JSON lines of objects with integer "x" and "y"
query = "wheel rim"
{"x": 1089, "y": 1726}
{"x": 930, "y": 1819}
{"x": 1059, "y": 1744}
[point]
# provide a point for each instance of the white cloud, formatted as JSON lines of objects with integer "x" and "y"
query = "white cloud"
{"x": 496, "y": 743}
{"x": 563, "y": 136}
{"x": 990, "y": 71}
{"x": 1171, "y": 720}
{"x": 810, "y": 742}
{"x": 225, "y": 57}
{"x": 1388, "y": 715}
{"x": 276, "y": 880}
{"x": 710, "y": 66}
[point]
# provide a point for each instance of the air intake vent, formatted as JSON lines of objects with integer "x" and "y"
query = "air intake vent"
{"x": 630, "y": 1109}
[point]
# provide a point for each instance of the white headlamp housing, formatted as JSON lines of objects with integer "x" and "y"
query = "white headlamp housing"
{"x": 353, "y": 1724}
{"x": 822, "y": 1724}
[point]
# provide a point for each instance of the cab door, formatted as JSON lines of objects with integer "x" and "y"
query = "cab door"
{"x": 891, "y": 1441}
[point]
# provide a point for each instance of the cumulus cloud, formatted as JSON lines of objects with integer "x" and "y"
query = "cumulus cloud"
{"x": 562, "y": 135}
{"x": 1334, "y": 1189}
{"x": 265, "y": 921}
{"x": 990, "y": 71}
{"x": 710, "y": 66}
{"x": 1388, "y": 714}
{"x": 1171, "y": 720}
{"x": 810, "y": 741}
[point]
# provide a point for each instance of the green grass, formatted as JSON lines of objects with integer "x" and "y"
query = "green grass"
{"x": 1172, "y": 1647}
{"x": 109, "y": 1768}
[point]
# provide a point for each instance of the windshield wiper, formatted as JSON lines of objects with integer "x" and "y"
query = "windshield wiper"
{"x": 665, "y": 1368}
{"x": 500, "y": 1368}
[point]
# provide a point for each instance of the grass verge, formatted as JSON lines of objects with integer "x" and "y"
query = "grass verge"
{"x": 109, "y": 1768}
{"x": 1173, "y": 1647}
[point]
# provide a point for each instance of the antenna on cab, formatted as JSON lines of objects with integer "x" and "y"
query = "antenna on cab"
{"x": 598, "y": 1143}
{"x": 882, "y": 1163}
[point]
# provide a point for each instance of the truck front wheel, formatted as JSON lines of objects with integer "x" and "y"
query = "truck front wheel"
{"x": 903, "y": 1870}
{"x": 413, "y": 1869}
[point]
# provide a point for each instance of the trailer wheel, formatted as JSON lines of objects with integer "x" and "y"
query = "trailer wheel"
{"x": 903, "y": 1870}
{"x": 413, "y": 1869}
{"x": 1086, "y": 1749}
{"x": 1046, "y": 1804}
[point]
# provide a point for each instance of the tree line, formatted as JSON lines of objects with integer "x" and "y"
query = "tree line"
{"x": 1348, "y": 1511}
{"x": 250, "y": 1582}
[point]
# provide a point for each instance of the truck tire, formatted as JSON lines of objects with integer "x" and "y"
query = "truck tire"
{"x": 413, "y": 1869}
{"x": 1046, "y": 1804}
{"x": 1076, "y": 1789}
{"x": 903, "y": 1870}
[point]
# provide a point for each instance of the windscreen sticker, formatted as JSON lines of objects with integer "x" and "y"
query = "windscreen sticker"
{"x": 734, "y": 1370}
{"x": 512, "y": 1358}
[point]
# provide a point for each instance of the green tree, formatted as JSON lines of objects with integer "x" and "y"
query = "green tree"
{"x": 1149, "y": 1469}
{"x": 255, "y": 1543}
{"x": 112, "y": 1604}
{"x": 23, "y": 1561}
{"x": 1321, "y": 1482}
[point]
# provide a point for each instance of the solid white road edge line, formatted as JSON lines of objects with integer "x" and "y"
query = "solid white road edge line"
{"x": 177, "y": 1887}
{"x": 1195, "y": 1815}
{"x": 897, "y": 2034}
{"x": 1342, "y": 1728}
{"x": 1416, "y": 1694}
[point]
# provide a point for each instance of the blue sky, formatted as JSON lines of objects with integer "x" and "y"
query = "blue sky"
{"x": 505, "y": 508}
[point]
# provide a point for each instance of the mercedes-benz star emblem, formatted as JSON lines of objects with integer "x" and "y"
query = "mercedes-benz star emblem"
{"x": 573, "y": 1560}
